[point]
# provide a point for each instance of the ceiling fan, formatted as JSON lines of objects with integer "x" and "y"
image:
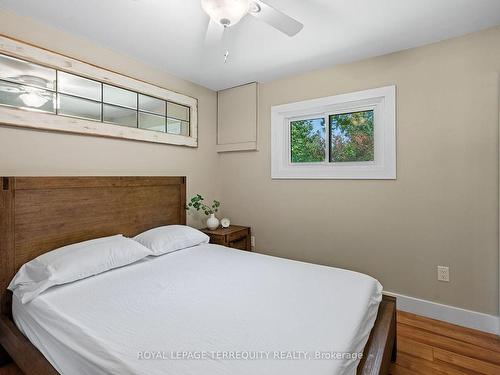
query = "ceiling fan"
{"x": 229, "y": 12}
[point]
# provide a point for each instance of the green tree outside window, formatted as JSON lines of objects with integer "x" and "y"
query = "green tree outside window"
{"x": 351, "y": 137}
{"x": 307, "y": 140}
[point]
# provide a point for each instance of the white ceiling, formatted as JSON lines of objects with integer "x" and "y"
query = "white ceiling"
{"x": 170, "y": 34}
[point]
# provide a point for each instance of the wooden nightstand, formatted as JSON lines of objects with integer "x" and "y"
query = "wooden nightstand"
{"x": 235, "y": 236}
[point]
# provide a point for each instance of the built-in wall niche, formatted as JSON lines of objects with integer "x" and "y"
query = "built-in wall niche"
{"x": 237, "y": 109}
{"x": 41, "y": 89}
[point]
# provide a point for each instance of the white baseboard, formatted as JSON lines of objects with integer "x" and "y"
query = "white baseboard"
{"x": 455, "y": 315}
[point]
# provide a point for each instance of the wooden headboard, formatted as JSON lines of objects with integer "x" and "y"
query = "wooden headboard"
{"x": 39, "y": 214}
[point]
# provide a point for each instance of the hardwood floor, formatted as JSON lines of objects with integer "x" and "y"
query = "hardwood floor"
{"x": 429, "y": 347}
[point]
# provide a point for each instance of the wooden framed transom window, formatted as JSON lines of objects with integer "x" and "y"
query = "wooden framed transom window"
{"x": 45, "y": 90}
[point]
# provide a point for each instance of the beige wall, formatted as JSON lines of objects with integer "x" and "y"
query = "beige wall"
{"x": 26, "y": 152}
{"x": 441, "y": 210}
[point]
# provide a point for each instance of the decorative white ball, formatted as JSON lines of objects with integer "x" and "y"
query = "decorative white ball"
{"x": 225, "y": 222}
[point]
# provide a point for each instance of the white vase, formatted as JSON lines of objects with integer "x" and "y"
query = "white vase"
{"x": 212, "y": 222}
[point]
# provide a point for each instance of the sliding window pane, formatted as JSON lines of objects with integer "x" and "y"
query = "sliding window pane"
{"x": 352, "y": 137}
{"x": 177, "y": 111}
{"x": 27, "y": 73}
{"x": 119, "y": 116}
{"x": 151, "y": 122}
{"x": 175, "y": 126}
{"x": 81, "y": 108}
{"x": 78, "y": 86}
{"x": 118, "y": 96}
{"x": 307, "y": 141}
{"x": 15, "y": 95}
{"x": 153, "y": 105}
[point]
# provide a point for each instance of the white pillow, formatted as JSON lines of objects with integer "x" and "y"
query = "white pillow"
{"x": 163, "y": 240}
{"x": 74, "y": 262}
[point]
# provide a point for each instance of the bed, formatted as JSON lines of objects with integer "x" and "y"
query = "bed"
{"x": 200, "y": 301}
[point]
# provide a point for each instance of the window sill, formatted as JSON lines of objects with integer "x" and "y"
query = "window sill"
{"x": 46, "y": 121}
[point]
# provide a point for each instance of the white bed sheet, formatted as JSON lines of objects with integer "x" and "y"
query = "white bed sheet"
{"x": 207, "y": 301}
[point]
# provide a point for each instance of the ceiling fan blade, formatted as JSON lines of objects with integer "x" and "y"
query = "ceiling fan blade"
{"x": 275, "y": 18}
{"x": 214, "y": 33}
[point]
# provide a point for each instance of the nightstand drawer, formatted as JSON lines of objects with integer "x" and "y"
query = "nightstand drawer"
{"x": 240, "y": 244}
{"x": 237, "y": 236}
{"x": 218, "y": 240}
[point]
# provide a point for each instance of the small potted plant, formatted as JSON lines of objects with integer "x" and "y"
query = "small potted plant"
{"x": 196, "y": 203}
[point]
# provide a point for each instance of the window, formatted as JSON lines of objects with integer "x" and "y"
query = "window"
{"x": 147, "y": 110}
{"x": 307, "y": 140}
{"x": 349, "y": 136}
{"x": 84, "y": 98}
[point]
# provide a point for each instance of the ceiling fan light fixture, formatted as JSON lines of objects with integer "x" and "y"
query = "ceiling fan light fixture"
{"x": 226, "y": 12}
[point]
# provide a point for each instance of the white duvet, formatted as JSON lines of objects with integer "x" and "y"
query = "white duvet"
{"x": 206, "y": 310}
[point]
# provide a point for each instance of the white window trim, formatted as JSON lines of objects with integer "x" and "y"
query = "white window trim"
{"x": 382, "y": 100}
{"x": 46, "y": 121}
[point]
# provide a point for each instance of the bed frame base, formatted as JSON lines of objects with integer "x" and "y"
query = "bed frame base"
{"x": 22, "y": 351}
{"x": 381, "y": 348}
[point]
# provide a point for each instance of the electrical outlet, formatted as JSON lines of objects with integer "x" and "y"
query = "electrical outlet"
{"x": 252, "y": 241}
{"x": 443, "y": 273}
